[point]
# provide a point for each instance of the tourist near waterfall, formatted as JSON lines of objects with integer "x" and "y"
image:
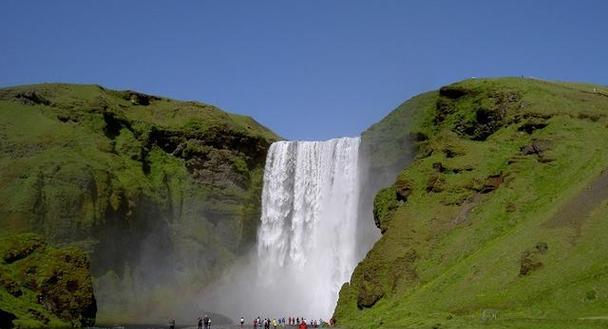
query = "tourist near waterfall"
{"x": 265, "y": 323}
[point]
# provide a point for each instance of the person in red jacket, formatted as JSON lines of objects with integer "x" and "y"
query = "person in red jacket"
{"x": 303, "y": 325}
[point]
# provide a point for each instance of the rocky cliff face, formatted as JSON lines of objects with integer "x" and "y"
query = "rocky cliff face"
{"x": 498, "y": 220}
{"x": 42, "y": 286}
{"x": 161, "y": 194}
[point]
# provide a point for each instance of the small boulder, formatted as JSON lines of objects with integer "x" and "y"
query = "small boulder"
{"x": 537, "y": 147}
{"x": 533, "y": 124}
{"x": 137, "y": 98}
{"x": 450, "y": 152}
{"x": 529, "y": 263}
{"x": 530, "y": 260}
{"x": 438, "y": 167}
{"x": 435, "y": 184}
{"x": 492, "y": 183}
{"x": 403, "y": 189}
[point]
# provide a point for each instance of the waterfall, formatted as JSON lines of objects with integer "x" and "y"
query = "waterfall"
{"x": 307, "y": 244}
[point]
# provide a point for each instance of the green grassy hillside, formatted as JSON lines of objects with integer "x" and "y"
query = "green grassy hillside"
{"x": 162, "y": 194}
{"x": 499, "y": 221}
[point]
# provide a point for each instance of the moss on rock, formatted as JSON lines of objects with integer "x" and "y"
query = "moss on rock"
{"x": 385, "y": 205}
{"x": 45, "y": 286}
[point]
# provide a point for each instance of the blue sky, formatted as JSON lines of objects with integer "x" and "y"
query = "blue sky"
{"x": 306, "y": 69}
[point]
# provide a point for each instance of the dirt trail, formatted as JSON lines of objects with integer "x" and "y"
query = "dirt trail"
{"x": 605, "y": 317}
{"x": 576, "y": 210}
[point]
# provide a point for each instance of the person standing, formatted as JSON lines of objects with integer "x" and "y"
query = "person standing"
{"x": 200, "y": 322}
{"x": 171, "y": 323}
{"x": 206, "y": 321}
{"x": 242, "y": 321}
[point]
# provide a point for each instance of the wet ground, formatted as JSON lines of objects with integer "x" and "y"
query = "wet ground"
{"x": 179, "y": 326}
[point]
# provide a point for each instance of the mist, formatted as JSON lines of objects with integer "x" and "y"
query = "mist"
{"x": 316, "y": 226}
{"x": 311, "y": 235}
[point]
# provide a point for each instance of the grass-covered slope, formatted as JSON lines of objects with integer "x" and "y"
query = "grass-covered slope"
{"x": 500, "y": 221}
{"x": 161, "y": 193}
{"x": 43, "y": 286}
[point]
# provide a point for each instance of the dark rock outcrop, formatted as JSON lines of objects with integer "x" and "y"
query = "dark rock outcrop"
{"x": 403, "y": 189}
{"x": 533, "y": 124}
{"x": 490, "y": 111}
{"x": 31, "y": 97}
{"x": 492, "y": 183}
{"x": 530, "y": 260}
{"x": 137, "y": 98}
{"x": 6, "y": 319}
{"x": 537, "y": 147}
{"x": 22, "y": 248}
{"x": 435, "y": 184}
{"x": 454, "y": 91}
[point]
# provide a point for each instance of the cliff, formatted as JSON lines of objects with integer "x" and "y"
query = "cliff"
{"x": 43, "y": 286}
{"x": 498, "y": 218}
{"x": 161, "y": 194}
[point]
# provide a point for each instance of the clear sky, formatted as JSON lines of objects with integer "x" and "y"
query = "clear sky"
{"x": 306, "y": 69}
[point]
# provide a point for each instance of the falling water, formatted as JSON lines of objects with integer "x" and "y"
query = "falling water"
{"x": 313, "y": 232}
{"x": 307, "y": 237}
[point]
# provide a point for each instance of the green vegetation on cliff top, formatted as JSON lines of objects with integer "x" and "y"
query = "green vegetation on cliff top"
{"x": 159, "y": 192}
{"x": 55, "y": 132}
{"x": 499, "y": 221}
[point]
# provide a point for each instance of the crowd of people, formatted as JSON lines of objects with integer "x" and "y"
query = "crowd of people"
{"x": 300, "y": 322}
{"x": 204, "y": 322}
